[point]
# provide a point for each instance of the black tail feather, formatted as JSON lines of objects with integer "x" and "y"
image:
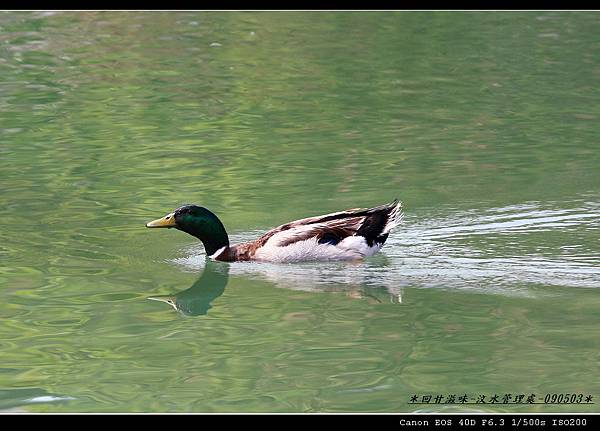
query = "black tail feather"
{"x": 377, "y": 220}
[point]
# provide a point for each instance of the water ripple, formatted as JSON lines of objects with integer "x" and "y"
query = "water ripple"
{"x": 485, "y": 250}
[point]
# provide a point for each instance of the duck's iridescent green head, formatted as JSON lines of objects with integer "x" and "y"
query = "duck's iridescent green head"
{"x": 198, "y": 222}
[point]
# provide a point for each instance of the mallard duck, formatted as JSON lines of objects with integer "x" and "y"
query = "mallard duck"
{"x": 345, "y": 235}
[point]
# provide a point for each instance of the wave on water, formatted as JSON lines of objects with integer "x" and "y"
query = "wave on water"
{"x": 504, "y": 250}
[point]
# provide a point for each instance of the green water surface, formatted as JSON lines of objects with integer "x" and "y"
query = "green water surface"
{"x": 486, "y": 126}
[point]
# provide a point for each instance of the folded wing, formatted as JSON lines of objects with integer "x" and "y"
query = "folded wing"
{"x": 373, "y": 224}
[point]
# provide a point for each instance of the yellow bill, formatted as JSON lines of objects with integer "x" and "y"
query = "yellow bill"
{"x": 166, "y": 221}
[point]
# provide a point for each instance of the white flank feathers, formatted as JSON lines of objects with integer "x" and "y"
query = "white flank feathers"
{"x": 351, "y": 248}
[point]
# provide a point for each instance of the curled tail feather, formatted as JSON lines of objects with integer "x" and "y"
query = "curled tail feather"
{"x": 378, "y": 222}
{"x": 395, "y": 216}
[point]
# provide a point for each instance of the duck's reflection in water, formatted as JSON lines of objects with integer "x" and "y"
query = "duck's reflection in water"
{"x": 364, "y": 280}
{"x": 196, "y": 301}
{"x": 356, "y": 281}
